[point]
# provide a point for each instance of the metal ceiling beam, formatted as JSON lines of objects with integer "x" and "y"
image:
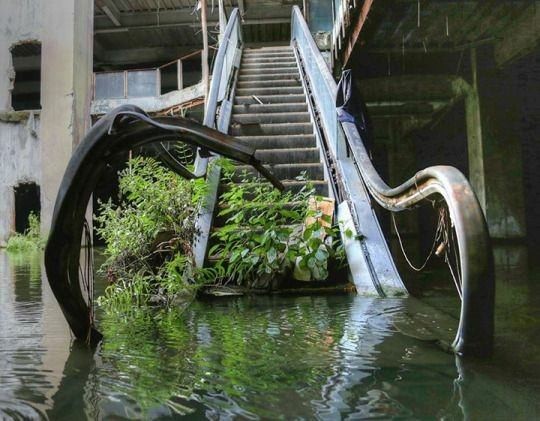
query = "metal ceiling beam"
{"x": 191, "y": 23}
{"x": 110, "y": 10}
{"x": 184, "y": 16}
{"x": 360, "y": 20}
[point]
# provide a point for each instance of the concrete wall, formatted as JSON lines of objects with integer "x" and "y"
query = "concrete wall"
{"x": 20, "y": 163}
{"x": 20, "y": 20}
{"x": 65, "y": 30}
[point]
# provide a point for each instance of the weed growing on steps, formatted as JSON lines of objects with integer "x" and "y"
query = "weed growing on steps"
{"x": 149, "y": 256}
{"x": 31, "y": 240}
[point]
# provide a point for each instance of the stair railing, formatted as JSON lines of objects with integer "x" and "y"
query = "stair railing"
{"x": 218, "y": 109}
{"x": 475, "y": 331}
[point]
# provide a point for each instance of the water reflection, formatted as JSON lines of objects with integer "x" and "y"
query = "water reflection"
{"x": 326, "y": 357}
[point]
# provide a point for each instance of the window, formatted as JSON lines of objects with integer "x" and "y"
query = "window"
{"x": 26, "y": 93}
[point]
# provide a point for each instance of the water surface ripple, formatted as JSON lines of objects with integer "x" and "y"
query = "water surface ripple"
{"x": 325, "y": 357}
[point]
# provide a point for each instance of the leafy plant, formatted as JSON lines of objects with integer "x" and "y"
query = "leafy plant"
{"x": 149, "y": 235}
{"x": 264, "y": 236}
{"x": 31, "y": 239}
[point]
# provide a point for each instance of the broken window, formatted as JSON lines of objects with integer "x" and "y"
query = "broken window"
{"x": 27, "y": 201}
{"x": 26, "y": 93}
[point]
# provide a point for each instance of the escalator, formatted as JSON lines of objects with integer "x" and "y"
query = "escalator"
{"x": 273, "y": 109}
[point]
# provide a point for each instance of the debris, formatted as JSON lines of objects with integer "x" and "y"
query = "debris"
{"x": 257, "y": 99}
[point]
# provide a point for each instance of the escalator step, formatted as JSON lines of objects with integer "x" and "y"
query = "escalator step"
{"x": 268, "y": 118}
{"x": 270, "y": 129}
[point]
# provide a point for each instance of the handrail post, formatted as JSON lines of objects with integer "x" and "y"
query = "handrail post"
{"x": 179, "y": 75}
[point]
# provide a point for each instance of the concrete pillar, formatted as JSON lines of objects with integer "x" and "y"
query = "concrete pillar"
{"x": 474, "y": 138}
{"x": 494, "y": 149}
{"x": 67, "y": 48}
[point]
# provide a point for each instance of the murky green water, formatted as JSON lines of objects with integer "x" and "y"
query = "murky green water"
{"x": 327, "y": 357}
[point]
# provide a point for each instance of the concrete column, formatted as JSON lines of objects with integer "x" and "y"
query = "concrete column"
{"x": 67, "y": 47}
{"x": 494, "y": 149}
{"x": 474, "y": 138}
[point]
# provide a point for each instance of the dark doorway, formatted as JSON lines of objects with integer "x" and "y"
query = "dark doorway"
{"x": 27, "y": 201}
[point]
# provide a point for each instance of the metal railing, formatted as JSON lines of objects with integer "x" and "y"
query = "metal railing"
{"x": 477, "y": 288}
{"x": 217, "y": 116}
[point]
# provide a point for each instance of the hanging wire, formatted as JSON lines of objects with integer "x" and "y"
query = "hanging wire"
{"x": 447, "y": 243}
{"x": 436, "y": 238}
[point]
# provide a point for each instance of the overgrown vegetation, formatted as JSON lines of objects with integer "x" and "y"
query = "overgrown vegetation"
{"x": 31, "y": 240}
{"x": 268, "y": 235}
{"x": 149, "y": 235}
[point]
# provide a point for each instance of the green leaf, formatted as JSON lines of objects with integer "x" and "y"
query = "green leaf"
{"x": 271, "y": 255}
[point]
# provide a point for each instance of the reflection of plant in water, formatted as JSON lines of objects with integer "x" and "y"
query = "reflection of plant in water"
{"x": 151, "y": 349}
{"x": 26, "y": 267}
{"x": 259, "y": 359}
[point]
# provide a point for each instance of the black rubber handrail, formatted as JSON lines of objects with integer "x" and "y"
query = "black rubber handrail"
{"x": 124, "y": 128}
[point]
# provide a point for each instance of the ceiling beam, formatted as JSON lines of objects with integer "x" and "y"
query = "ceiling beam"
{"x": 353, "y": 37}
{"x": 183, "y": 16}
{"x": 109, "y": 8}
{"x": 191, "y": 23}
{"x": 241, "y": 8}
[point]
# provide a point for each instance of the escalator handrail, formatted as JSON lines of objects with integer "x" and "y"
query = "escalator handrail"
{"x": 475, "y": 331}
{"x": 201, "y": 163}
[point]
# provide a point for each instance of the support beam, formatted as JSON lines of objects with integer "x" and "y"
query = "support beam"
{"x": 222, "y": 19}
{"x": 360, "y": 20}
{"x": 204, "y": 53}
{"x": 475, "y": 148}
{"x": 241, "y": 9}
{"x": 191, "y": 23}
{"x": 109, "y": 8}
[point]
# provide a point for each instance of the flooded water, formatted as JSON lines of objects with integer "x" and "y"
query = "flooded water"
{"x": 327, "y": 357}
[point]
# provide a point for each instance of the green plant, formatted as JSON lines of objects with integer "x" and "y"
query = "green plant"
{"x": 30, "y": 240}
{"x": 265, "y": 235}
{"x": 149, "y": 235}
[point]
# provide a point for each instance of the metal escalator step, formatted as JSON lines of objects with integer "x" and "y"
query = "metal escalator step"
{"x": 282, "y": 56}
{"x": 276, "y": 64}
{"x": 271, "y": 129}
{"x": 268, "y": 77}
{"x": 320, "y": 187}
{"x": 269, "y": 99}
{"x": 289, "y": 155}
{"x": 268, "y": 118}
{"x": 312, "y": 171}
{"x": 270, "y": 108}
{"x": 273, "y": 59}
{"x": 273, "y": 90}
{"x": 267, "y": 71}
{"x": 274, "y": 48}
{"x": 279, "y": 142}
{"x": 262, "y": 83}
